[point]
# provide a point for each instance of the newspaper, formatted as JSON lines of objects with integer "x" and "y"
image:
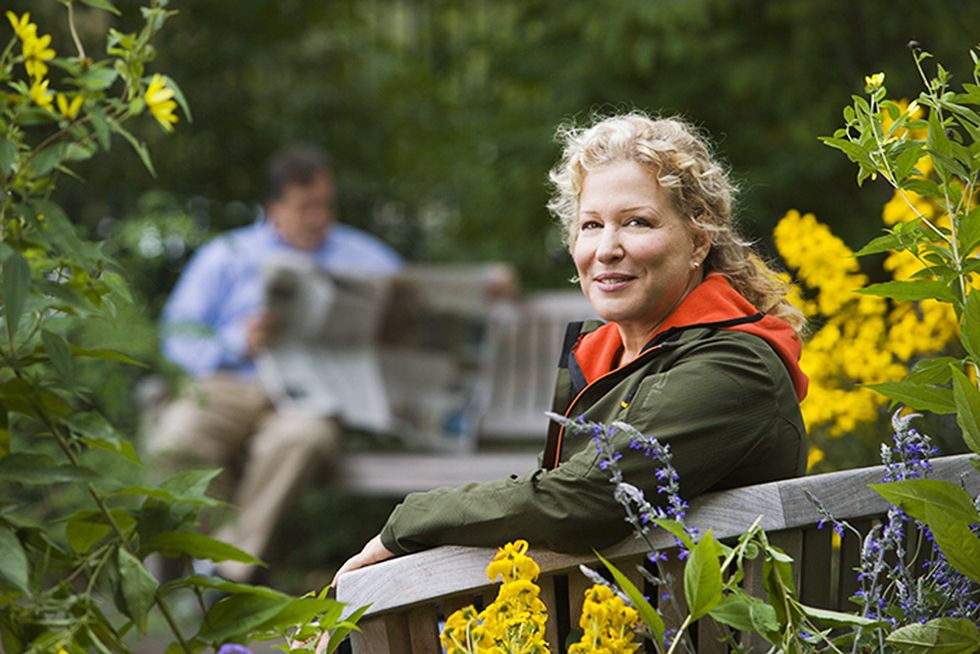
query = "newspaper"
{"x": 403, "y": 356}
{"x": 325, "y": 360}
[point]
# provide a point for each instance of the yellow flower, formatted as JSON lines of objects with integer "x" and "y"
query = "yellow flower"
{"x": 608, "y": 624}
{"x": 159, "y": 98}
{"x": 511, "y": 563}
{"x": 23, "y": 27}
{"x": 814, "y": 457}
{"x": 40, "y": 94}
{"x": 36, "y": 53}
{"x": 874, "y": 80}
{"x": 69, "y": 109}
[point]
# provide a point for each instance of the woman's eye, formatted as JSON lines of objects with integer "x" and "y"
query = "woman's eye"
{"x": 638, "y": 221}
{"x": 590, "y": 224}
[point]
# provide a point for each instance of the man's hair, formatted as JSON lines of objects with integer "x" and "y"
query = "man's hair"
{"x": 297, "y": 165}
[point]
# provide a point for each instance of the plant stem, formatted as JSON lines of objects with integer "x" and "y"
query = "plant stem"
{"x": 74, "y": 32}
{"x": 681, "y": 631}
{"x": 168, "y": 616}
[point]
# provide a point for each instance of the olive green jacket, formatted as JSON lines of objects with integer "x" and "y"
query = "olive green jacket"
{"x": 722, "y": 399}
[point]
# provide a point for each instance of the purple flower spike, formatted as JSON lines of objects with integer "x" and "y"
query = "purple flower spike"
{"x": 233, "y": 648}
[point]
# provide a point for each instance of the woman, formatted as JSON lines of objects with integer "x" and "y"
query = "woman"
{"x": 700, "y": 350}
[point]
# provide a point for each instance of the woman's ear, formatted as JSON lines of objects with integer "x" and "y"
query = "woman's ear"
{"x": 702, "y": 245}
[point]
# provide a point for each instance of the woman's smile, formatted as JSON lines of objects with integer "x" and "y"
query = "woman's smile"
{"x": 634, "y": 253}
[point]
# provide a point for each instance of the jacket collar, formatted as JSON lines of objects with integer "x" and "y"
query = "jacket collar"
{"x": 712, "y": 304}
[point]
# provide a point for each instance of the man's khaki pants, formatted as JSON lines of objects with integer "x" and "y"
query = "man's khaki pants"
{"x": 229, "y": 422}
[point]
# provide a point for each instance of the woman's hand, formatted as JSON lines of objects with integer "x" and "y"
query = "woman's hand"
{"x": 373, "y": 552}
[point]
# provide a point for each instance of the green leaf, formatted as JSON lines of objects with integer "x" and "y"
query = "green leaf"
{"x": 968, "y": 232}
{"x": 924, "y": 187}
{"x": 179, "y": 97}
{"x": 13, "y": 560}
{"x": 341, "y": 629}
{"x": 702, "y": 577}
{"x": 57, "y": 349}
{"x": 649, "y": 614}
{"x": 836, "y": 618}
{"x": 939, "y": 636}
{"x": 967, "y": 398}
{"x": 931, "y": 371}
{"x": 102, "y": 4}
{"x": 219, "y": 584}
{"x": 96, "y": 432}
{"x": 106, "y": 355}
{"x": 61, "y": 230}
{"x": 40, "y": 469}
{"x": 301, "y": 610}
{"x": 912, "y": 495}
{"x": 885, "y": 243}
{"x": 734, "y": 610}
{"x": 82, "y": 534}
{"x": 8, "y": 156}
{"x": 137, "y": 146}
{"x": 138, "y": 587}
{"x": 163, "y": 495}
{"x": 921, "y": 397}
{"x": 238, "y": 615}
{"x": 955, "y": 540}
{"x": 677, "y": 530}
{"x": 854, "y": 152}
{"x": 970, "y": 325}
{"x": 44, "y": 161}
{"x": 118, "y": 285}
{"x": 190, "y": 483}
{"x": 948, "y": 511}
{"x": 100, "y": 126}
{"x": 16, "y": 285}
{"x": 921, "y": 289}
{"x": 199, "y": 546}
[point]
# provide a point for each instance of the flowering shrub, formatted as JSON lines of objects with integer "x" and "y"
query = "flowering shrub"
{"x": 76, "y": 521}
{"x": 890, "y": 590}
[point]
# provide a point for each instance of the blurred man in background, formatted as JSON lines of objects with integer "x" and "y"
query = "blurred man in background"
{"x": 215, "y": 325}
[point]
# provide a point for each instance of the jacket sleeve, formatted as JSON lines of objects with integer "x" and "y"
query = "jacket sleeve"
{"x": 716, "y": 408}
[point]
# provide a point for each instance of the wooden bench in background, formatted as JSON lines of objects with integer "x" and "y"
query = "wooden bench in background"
{"x": 407, "y": 595}
{"x": 470, "y": 367}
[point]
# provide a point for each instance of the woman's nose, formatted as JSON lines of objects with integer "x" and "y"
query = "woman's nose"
{"x": 610, "y": 246}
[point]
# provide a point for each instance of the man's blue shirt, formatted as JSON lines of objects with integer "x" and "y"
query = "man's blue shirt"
{"x": 204, "y": 322}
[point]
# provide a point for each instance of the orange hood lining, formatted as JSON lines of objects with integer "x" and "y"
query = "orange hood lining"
{"x": 713, "y": 303}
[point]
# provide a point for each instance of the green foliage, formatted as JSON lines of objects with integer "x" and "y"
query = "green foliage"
{"x": 939, "y": 636}
{"x": 947, "y": 245}
{"x": 77, "y": 520}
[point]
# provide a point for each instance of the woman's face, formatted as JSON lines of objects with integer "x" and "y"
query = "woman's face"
{"x": 634, "y": 253}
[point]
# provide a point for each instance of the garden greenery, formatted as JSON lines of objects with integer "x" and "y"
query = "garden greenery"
{"x": 77, "y": 522}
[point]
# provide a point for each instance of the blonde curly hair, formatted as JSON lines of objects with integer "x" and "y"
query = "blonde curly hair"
{"x": 698, "y": 185}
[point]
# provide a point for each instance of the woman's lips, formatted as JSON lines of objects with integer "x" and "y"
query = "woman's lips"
{"x": 613, "y": 281}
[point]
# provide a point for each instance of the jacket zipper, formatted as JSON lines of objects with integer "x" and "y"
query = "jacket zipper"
{"x": 560, "y": 434}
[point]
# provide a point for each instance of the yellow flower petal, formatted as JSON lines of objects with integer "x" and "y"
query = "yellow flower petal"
{"x": 159, "y": 100}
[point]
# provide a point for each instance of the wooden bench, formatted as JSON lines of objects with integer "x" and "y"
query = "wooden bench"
{"x": 408, "y": 594}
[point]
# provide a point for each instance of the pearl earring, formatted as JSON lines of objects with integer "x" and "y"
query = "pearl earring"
{"x": 574, "y": 279}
